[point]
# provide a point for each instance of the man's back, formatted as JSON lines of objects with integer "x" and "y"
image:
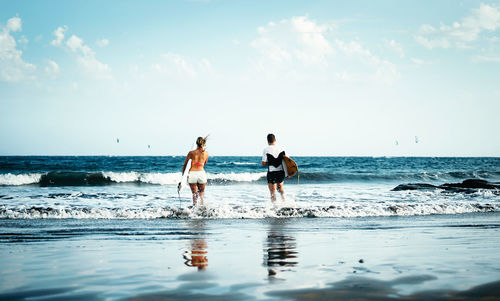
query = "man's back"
{"x": 274, "y": 151}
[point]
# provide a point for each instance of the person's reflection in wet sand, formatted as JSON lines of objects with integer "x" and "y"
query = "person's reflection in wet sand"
{"x": 197, "y": 255}
{"x": 279, "y": 248}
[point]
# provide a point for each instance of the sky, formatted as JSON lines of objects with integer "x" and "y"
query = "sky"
{"x": 328, "y": 78}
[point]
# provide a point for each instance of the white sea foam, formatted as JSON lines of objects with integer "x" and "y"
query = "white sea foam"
{"x": 252, "y": 212}
{"x": 173, "y": 178}
{"x": 236, "y": 163}
{"x": 122, "y": 177}
{"x": 21, "y": 179}
{"x": 237, "y": 177}
{"x": 150, "y": 178}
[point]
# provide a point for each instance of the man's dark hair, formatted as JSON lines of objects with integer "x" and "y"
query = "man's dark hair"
{"x": 271, "y": 138}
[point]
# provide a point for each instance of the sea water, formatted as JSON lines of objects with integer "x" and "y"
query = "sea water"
{"x": 114, "y": 227}
{"x": 146, "y": 187}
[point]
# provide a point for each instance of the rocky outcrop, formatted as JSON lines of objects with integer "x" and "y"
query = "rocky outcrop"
{"x": 469, "y": 185}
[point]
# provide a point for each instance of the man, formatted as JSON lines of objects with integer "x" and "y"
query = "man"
{"x": 273, "y": 159}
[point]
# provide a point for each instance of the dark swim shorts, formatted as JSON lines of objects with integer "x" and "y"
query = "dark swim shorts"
{"x": 275, "y": 177}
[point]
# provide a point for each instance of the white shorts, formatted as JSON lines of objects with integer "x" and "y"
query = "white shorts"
{"x": 197, "y": 177}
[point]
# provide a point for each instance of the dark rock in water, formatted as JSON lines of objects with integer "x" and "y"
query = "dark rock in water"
{"x": 468, "y": 185}
{"x": 73, "y": 178}
{"x": 414, "y": 186}
{"x": 486, "y": 207}
{"x": 472, "y": 183}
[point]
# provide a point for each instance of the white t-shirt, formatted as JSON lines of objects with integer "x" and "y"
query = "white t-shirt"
{"x": 275, "y": 151}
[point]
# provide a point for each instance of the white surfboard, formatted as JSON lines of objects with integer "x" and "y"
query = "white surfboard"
{"x": 183, "y": 181}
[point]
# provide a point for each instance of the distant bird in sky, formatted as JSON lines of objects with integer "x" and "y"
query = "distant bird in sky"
{"x": 416, "y": 139}
{"x": 397, "y": 142}
{"x": 149, "y": 146}
{"x": 117, "y": 140}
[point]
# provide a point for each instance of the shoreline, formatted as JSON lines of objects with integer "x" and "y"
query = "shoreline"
{"x": 441, "y": 256}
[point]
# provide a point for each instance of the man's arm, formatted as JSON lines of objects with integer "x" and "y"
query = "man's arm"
{"x": 264, "y": 158}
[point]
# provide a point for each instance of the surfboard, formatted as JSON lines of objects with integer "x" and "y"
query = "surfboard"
{"x": 290, "y": 166}
{"x": 183, "y": 181}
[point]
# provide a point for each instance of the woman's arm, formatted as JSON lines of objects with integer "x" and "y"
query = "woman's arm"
{"x": 186, "y": 162}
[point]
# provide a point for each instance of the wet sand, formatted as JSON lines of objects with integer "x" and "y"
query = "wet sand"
{"x": 444, "y": 257}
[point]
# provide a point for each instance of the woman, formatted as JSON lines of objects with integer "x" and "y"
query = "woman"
{"x": 197, "y": 178}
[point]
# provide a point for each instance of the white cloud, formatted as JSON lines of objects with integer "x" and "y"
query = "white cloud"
{"x": 427, "y": 29}
{"x": 52, "y": 68}
{"x": 94, "y": 67}
{"x": 493, "y": 59}
{"x": 433, "y": 43}
{"x": 74, "y": 43}
{"x": 14, "y": 24}
{"x": 12, "y": 66}
{"x": 23, "y": 40}
{"x": 102, "y": 42}
{"x": 179, "y": 63}
{"x": 417, "y": 61}
{"x": 370, "y": 66}
{"x": 297, "y": 39}
{"x": 459, "y": 34}
{"x": 395, "y": 46}
{"x": 85, "y": 56}
{"x": 174, "y": 64}
{"x": 59, "y": 33}
{"x": 315, "y": 46}
{"x": 352, "y": 48}
{"x": 299, "y": 48}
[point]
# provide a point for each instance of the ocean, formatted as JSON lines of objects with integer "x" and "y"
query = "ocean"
{"x": 146, "y": 187}
{"x": 112, "y": 228}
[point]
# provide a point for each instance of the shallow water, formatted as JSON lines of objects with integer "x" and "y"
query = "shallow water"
{"x": 245, "y": 259}
{"x": 146, "y": 187}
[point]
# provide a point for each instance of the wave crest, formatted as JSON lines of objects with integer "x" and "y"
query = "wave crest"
{"x": 21, "y": 179}
{"x": 72, "y": 178}
{"x": 237, "y": 212}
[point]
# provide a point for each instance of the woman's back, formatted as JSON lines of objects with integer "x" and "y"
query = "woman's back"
{"x": 198, "y": 159}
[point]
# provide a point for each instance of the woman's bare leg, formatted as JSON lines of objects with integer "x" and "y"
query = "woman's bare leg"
{"x": 194, "y": 191}
{"x": 201, "y": 192}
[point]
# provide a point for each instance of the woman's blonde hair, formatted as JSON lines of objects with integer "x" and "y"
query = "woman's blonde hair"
{"x": 200, "y": 142}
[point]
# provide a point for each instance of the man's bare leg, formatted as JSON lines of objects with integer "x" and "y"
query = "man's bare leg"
{"x": 281, "y": 190}
{"x": 272, "y": 190}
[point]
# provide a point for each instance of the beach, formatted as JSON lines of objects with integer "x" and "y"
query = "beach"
{"x": 270, "y": 259}
{"x": 344, "y": 234}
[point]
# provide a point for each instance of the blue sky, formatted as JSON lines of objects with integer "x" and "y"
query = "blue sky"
{"x": 327, "y": 77}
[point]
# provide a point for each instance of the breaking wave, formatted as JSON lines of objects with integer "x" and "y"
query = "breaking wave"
{"x": 21, "y": 179}
{"x": 251, "y": 212}
{"x": 65, "y": 178}
{"x": 74, "y": 178}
